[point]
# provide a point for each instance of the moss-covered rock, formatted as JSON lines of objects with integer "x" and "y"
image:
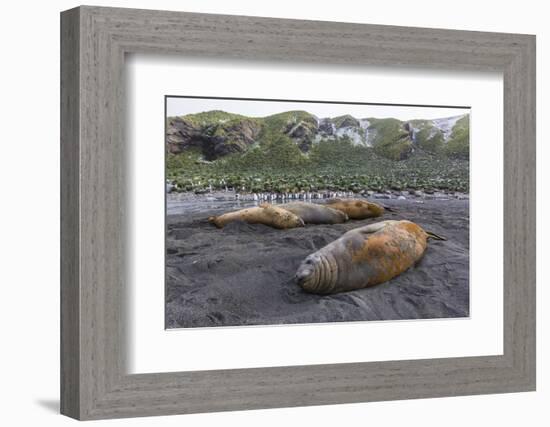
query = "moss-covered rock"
{"x": 299, "y": 126}
{"x": 345, "y": 121}
{"x": 282, "y": 122}
{"x": 392, "y": 140}
{"x": 426, "y": 136}
{"x": 209, "y": 118}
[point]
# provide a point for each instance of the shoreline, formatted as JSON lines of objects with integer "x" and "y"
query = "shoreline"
{"x": 243, "y": 274}
{"x": 190, "y": 202}
{"x": 231, "y": 195}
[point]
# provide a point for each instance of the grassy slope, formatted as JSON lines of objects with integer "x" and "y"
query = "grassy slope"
{"x": 391, "y": 139}
{"x": 427, "y": 137}
{"x": 458, "y": 145}
{"x": 211, "y": 117}
{"x": 331, "y": 165}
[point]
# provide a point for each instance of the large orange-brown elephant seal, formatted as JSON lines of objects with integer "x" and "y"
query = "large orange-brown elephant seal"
{"x": 363, "y": 257}
{"x": 356, "y": 208}
{"x": 313, "y": 213}
{"x": 264, "y": 214}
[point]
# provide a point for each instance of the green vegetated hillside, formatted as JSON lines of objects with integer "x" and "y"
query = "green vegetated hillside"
{"x": 296, "y": 151}
{"x": 393, "y": 139}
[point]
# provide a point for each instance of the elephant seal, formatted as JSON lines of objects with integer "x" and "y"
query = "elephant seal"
{"x": 312, "y": 213}
{"x": 264, "y": 214}
{"x": 363, "y": 257}
{"x": 356, "y": 208}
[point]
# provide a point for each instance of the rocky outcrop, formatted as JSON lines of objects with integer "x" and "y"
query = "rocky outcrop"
{"x": 302, "y": 133}
{"x": 344, "y": 126}
{"x": 214, "y": 140}
{"x": 182, "y": 134}
{"x": 326, "y": 127}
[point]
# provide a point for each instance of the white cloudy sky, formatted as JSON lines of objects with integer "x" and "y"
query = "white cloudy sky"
{"x": 182, "y": 106}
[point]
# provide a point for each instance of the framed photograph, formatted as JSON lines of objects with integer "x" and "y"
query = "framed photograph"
{"x": 263, "y": 213}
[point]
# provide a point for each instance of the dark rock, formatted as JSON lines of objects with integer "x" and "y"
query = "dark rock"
{"x": 326, "y": 127}
{"x": 302, "y": 133}
{"x": 215, "y": 140}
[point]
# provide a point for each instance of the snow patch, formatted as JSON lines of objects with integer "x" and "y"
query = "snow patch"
{"x": 446, "y": 125}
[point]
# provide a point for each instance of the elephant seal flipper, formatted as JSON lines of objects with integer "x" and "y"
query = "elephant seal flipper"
{"x": 435, "y": 236}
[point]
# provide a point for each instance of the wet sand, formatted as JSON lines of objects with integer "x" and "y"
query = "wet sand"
{"x": 243, "y": 274}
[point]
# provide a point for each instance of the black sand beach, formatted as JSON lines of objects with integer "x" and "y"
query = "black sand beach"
{"x": 243, "y": 274}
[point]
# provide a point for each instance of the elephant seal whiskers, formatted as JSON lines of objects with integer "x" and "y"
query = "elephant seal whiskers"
{"x": 313, "y": 213}
{"x": 356, "y": 208}
{"x": 364, "y": 257}
{"x": 267, "y": 214}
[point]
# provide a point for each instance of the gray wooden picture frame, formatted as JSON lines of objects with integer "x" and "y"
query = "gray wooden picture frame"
{"x": 94, "y": 41}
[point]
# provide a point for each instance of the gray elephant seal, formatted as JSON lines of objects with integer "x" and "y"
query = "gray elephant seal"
{"x": 312, "y": 213}
{"x": 365, "y": 256}
{"x": 267, "y": 214}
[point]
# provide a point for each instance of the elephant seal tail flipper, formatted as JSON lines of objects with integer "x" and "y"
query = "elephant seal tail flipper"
{"x": 435, "y": 236}
{"x": 214, "y": 220}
